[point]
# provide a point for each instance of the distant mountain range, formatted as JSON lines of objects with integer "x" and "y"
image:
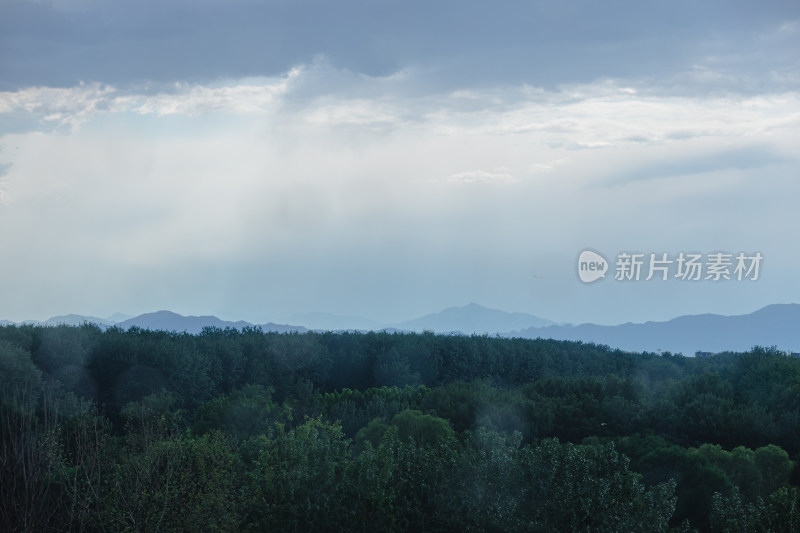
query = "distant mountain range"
{"x": 169, "y": 321}
{"x": 162, "y": 320}
{"x": 468, "y": 319}
{"x": 774, "y": 325}
{"x": 77, "y": 320}
{"x": 473, "y": 318}
{"x": 331, "y": 322}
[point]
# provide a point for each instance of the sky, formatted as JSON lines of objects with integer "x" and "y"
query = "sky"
{"x": 386, "y": 159}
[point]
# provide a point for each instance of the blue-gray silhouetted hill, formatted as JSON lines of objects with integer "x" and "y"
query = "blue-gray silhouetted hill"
{"x": 775, "y": 325}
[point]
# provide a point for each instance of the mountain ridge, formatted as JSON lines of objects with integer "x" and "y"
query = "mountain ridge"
{"x": 171, "y": 321}
{"x": 773, "y": 325}
{"x": 472, "y": 318}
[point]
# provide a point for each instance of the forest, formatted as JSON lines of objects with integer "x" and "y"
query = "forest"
{"x": 228, "y": 430}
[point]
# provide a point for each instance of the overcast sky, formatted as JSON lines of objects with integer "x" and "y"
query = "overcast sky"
{"x": 389, "y": 159}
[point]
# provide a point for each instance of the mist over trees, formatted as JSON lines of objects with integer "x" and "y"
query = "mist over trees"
{"x": 232, "y": 430}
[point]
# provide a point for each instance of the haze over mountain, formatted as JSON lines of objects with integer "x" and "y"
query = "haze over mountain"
{"x": 119, "y": 317}
{"x": 77, "y": 320}
{"x": 67, "y": 320}
{"x": 473, "y": 318}
{"x": 169, "y": 321}
{"x": 333, "y": 322}
{"x": 160, "y": 320}
{"x": 774, "y": 325}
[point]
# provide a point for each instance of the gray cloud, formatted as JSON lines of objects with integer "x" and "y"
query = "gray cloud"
{"x": 464, "y": 43}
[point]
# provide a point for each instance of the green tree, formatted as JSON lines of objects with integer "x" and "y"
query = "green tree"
{"x": 244, "y": 413}
{"x": 590, "y": 488}
{"x": 297, "y": 480}
{"x": 18, "y": 374}
{"x": 30, "y": 459}
{"x": 779, "y": 512}
{"x": 423, "y": 429}
{"x": 486, "y": 491}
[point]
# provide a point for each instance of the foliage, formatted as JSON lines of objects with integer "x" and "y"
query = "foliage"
{"x": 244, "y": 430}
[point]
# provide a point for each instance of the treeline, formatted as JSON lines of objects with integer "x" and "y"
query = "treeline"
{"x": 245, "y": 430}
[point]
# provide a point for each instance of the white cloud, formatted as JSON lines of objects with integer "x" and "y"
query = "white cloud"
{"x": 196, "y": 99}
{"x": 481, "y": 176}
{"x": 75, "y": 105}
{"x": 546, "y": 168}
{"x": 64, "y": 106}
{"x": 600, "y": 115}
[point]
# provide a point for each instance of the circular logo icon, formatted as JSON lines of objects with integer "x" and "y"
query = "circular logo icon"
{"x": 591, "y": 266}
